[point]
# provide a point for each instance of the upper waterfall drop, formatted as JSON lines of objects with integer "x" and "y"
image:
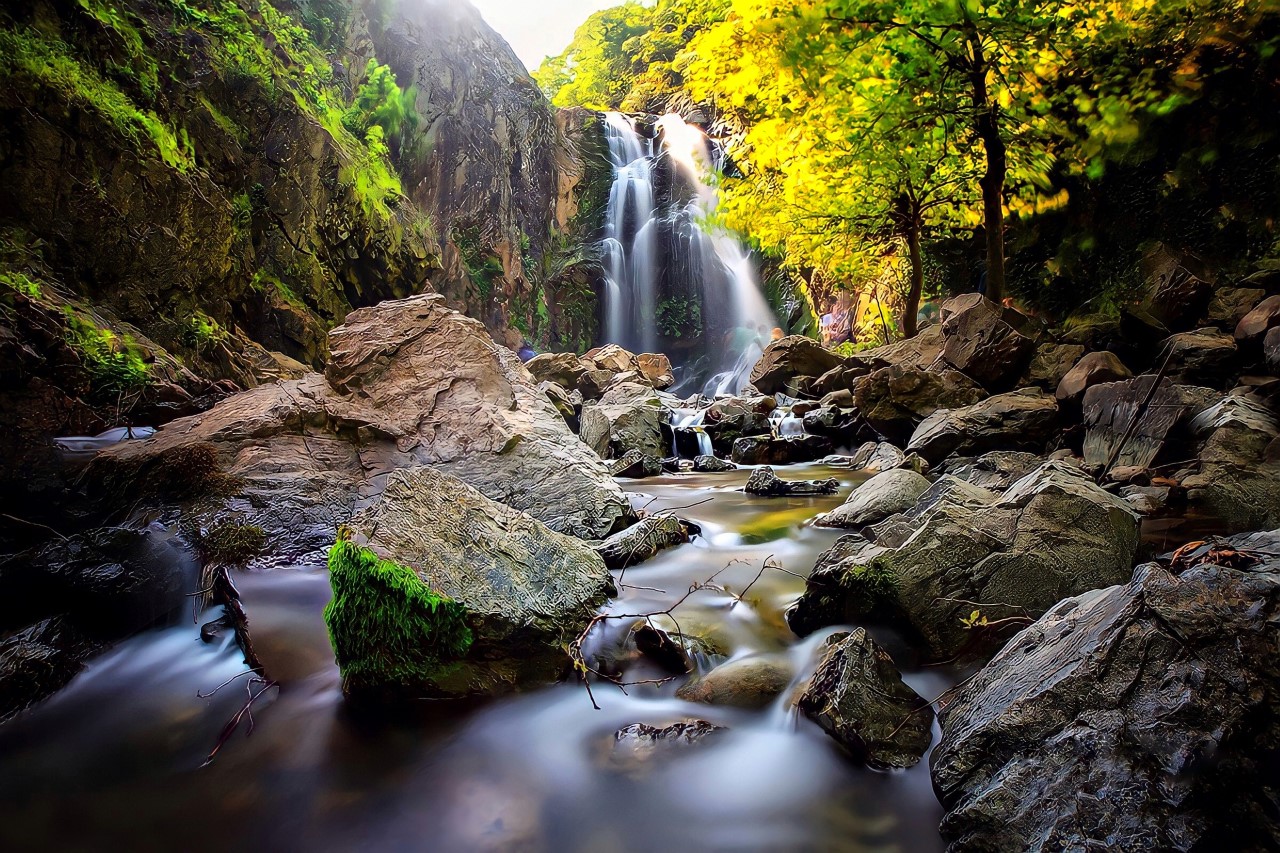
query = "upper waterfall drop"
{"x": 676, "y": 282}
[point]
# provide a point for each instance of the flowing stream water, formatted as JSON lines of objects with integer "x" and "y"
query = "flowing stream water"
{"x": 675, "y": 282}
{"x": 113, "y": 761}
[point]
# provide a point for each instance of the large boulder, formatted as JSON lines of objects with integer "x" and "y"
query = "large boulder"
{"x": 442, "y": 592}
{"x": 409, "y": 383}
{"x": 612, "y": 358}
{"x": 642, "y": 541}
{"x": 562, "y": 368}
{"x": 1229, "y": 305}
{"x": 1175, "y": 296}
{"x": 894, "y": 400}
{"x": 919, "y": 353}
{"x": 1050, "y": 365}
{"x": 1053, "y": 534}
{"x": 995, "y": 471}
{"x": 1254, "y": 326}
{"x": 1095, "y": 368}
{"x": 981, "y": 340}
{"x": 1134, "y": 718}
{"x": 627, "y": 418}
{"x": 876, "y": 456}
{"x": 1130, "y": 424}
{"x": 785, "y": 360}
{"x": 1019, "y": 420}
{"x": 857, "y": 696}
{"x": 765, "y": 450}
{"x": 725, "y": 421}
{"x": 1237, "y": 482}
{"x": 1201, "y": 357}
{"x": 656, "y": 370}
{"x": 887, "y": 493}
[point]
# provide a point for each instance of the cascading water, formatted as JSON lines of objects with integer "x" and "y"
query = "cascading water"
{"x": 674, "y": 283}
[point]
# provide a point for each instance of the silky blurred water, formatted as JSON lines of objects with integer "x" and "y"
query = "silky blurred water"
{"x": 113, "y": 761}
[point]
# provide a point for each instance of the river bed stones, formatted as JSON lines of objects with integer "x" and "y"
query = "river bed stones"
{"x": 857, "y": 696}
{"x": 981, "y": 340}
{"x": 639, "y": 744}
{"x": 444, "y": 593}
{"x": 750, "y": 682}
{"x": 1137, "y": 717}
{"x": 642, "y": 541}
{"x": 1020, "y": 420}
{"x": 786, "y": 360}
{"x": 894, "y": 400}
{"x": 766, "y": 450}
{"x": 707, "y": 464}
{"x": 767, "y": 484}
{"x": 1054, "y": 533}
{"x": 885, "y": 494}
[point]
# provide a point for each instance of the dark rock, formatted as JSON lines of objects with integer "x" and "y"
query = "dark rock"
{"x": 639, "y": 743}
{"x": 657, "y": 646}
{"x": 979, "y": 341}
{"x": 728, "y": 420}
{"x": 642, "y": 541}
{"x": 1110, "y": 410}
{"x": 635, "y": 465}
{"x": 885, "y": 494}
{"x": 764, "y": 482}
{"x": 712, "y": 464}
{"x": 788, "y": 359}
{"x": 1254, "y": 326}
{"x": 1019, "y": 420}
{"x": 1203, "y": 357}
{"x": 1175, "y": 296}
{"x": 895, "y": 400}
{"x": 1095, "y": 368}
{"x": 1134, "y": 718}
{"x": 593, "y": 383}
{"x": 764, "y": 450}
{"x": 470, "y": 597}
{"x": 877, "y": 456}
{"x": 38, "y": 661}
{"x": 1050, "y": 365}
{"x": 1237, "y": 481}
{"x": 1054, "y": 533}
{"x": 568, "y": 404}
{"x": 1271, "y": 350}
{"x": 1229, "y": 305}
{"x": 995, "y": 471}
{"x": 857, "y": 696}
{"x": 841, "y": 425}
{"x": 750, "y": 682}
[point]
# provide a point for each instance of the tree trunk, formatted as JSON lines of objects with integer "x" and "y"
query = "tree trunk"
{"x": 987, "y": 126}
{"x": 912, "y": 310}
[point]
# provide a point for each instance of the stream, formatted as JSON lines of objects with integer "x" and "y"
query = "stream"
{"x": 114, "y": 760}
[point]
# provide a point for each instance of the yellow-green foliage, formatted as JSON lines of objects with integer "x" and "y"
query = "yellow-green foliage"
{"x": 20, "y": 283}
{"x": 141, "y": 66}
{"x": 201, "y": 330}
{"x": 47, "y": 62}
{"x": 114, "y": 363}
{"x": 388, "y": 628}
{"x": 232, "y": 543}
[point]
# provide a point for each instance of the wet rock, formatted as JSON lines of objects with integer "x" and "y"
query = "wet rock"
{"x": 1054, "y": 533}
{"x": 712, "y": 464}
{"x": 409, "y": 383}
{"x": 612, "y": 358}
{"x": 764, "y": 450}
{"x": 857, "y": 696}
{"x": 885, "y": 494}
{"x": 1093, "y": 369}
{"x": 39, "y": 660}
{"x": 656, "y": 370}
{"x": 446, "y": 593}
{"x": 640, "y": 743}
{"x": 995, "y": 471}
{"x": 657, "y": 645}
{"x": 788, "y": 359}
{"x": 1203, "y": 357}
{"x": 728, "y": 420}
{"x": 1137, "y": 717}
{"x": 1050, "y": 365}
{"x": 1229, "y": 305}
{"x": 841, "y": 425}
{"x": 1148, "y": 500}
{"x": 750, "y": 682}
{"x": 877, "y": 456}
{"x": 1111, "y": 409}
{"x": 1238, "y": 481}
{"x": 562, "y": 368}
{"x": 635, "y": 465}
{"x": 895, "y": 400}
{"x": 1020, "y": 420}
{"x": 623, "y": 421}
{"x": 1271, "y": 350}
{"x": 980, "y": 341}
{"x": 1254, "y": 326}
{"x": 764, "y": 482}
{"x": 568, "y": 404}
{"x": 642, "y": 541}
{"x": 840, "y": 378}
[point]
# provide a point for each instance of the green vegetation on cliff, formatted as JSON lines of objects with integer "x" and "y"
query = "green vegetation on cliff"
{"x": 387, "y": 626}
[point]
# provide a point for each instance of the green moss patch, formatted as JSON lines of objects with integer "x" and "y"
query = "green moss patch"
{"x": 389, "y": 630}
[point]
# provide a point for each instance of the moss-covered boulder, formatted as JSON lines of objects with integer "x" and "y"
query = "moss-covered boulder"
{"x": 440, "y": 592}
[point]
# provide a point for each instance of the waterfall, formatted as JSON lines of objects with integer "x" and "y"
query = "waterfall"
{"x": 674, "y": 281}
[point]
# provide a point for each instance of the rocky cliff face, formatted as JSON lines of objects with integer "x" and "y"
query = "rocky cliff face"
{"x": 193, "y": 191}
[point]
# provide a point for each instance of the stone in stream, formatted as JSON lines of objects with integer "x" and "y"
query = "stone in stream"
{"x": 894, "y": 400}
{"x": 749, "y": 682}
{"x": 764, "y": 482}
{"x": 642, "y": 540}
{"x": 885, "y": 494}
{"x": 409, "y": 383}
{"x": 1229, "y": 305}
{"x": 635, "y": 465}
{"x": 877, "y": 456}
{"x": 712, "y": 464}
{"x": 1133, "y": 718}
{"x": 657, "y": 645}
{"x": 766, "y": 450}
{"x": 39, "y": 660}
{"x": 442, "y": 592}
{"x": 961, "y": 548}
{"x": 985, "y": 341}
{"x": 639, "y": 743}
{"x": 628, "y": 417}
{"x": 857, "y": 696}
{"x": 788, "y": 359}
{"x": 1020, "y": 420}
